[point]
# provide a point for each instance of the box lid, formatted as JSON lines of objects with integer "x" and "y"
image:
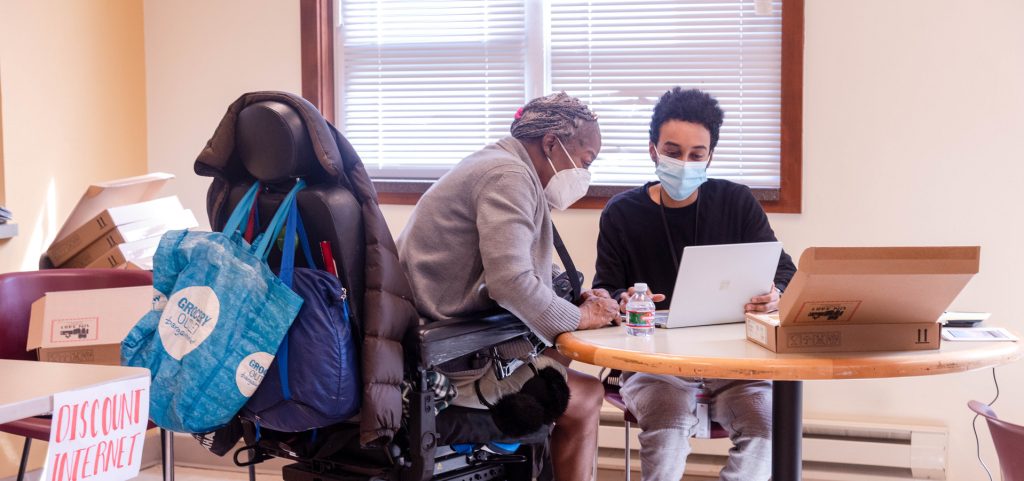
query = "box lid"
{"x": 89, "y": 317}
{"x": 840, "y": 285}
{"x": 891, "y": 260}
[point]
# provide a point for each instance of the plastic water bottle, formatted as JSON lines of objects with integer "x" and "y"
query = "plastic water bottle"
{"x": 640, "y": 312}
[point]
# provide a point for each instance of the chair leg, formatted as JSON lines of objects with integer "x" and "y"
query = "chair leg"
{"x": 629, "y": 455}
{"x": 252, "y": 466}
{"x": 24, "y": 459}
{"x": 167, "y": 453}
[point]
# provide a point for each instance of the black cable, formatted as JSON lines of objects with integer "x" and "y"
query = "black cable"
{"x": 974, "y": 426}
{"x": 668, "y": 232}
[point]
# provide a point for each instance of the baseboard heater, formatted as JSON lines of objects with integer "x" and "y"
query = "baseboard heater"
{"x": 833, "y": 450}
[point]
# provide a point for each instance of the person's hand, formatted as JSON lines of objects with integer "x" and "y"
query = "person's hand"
{"x": 594, "y": 293}
{"x": 597, "y": 312}
{"x": 766, "y": 303}
{"x": 624, "y": 298}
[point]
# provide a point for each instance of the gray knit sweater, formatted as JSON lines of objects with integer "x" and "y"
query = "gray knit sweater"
{"x": 480, "y": 238}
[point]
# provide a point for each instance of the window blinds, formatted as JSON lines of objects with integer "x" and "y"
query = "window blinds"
{"x": 425, "y": 83}
{"x": 620, "y": 57}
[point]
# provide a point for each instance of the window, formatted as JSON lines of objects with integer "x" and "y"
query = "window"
{"x": 421, "y": 84}
{"x": 425, "y": 83}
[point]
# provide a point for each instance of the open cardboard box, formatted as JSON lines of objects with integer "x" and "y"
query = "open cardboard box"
{"x": 101, "y": 196}
{"x": 86, "y": 327}
{"x": 849, "y": 299}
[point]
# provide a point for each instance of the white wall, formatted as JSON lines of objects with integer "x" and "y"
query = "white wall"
{"x": 913, "y": 114}
{"x": 200, "y": 57}
{"x": 913, "y": 117}
{"x": 913, "y": 123}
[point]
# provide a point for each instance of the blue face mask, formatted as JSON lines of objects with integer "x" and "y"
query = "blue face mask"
{"x": 680, "y": 179}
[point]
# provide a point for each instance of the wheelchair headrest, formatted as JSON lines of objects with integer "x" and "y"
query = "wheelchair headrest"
{"x": 293, "y": 118}
{"x": 273, "y": 143}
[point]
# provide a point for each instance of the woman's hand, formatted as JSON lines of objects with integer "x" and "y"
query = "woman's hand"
{"x": 597, "y": 312}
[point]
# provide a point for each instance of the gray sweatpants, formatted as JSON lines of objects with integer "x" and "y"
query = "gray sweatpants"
{"x": 665, "y": 405}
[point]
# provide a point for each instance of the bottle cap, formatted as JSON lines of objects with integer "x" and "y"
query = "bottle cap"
{"x": 640, "y": 287}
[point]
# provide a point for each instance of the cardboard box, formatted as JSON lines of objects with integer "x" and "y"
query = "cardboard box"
{"x": 847, "y": 299}
{"x": 121, "y": 254}
{"x": 63, "y": 250}
{"x": 131, "y": 232}
{"x": 104, "y": 195}
{"x": 766, "y": 330}
{"x": 135, "y": 231}
{"x": 86, "y": 327}
{"x": 144, "y": 264}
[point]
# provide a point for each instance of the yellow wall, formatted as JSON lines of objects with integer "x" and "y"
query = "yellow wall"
{"x": 200, "y": 57}
{"x": 2, "y": 196}
{"x": 73, "y": 85}
{"x": 74, "y": 109}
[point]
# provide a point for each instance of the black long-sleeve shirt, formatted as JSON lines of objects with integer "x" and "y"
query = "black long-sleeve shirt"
{"x": 632, "y": 245}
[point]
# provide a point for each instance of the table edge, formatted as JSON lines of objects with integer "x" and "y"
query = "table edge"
{"x": 789, "y": 368}
{"x": 43, "y": 405}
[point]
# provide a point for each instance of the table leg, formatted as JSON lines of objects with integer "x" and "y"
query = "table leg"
{"x": 167, "y": 453}
{"x": 787, "y": 430}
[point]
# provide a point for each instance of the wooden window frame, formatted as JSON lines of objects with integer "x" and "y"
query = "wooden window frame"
{"x": 316, "y": 18}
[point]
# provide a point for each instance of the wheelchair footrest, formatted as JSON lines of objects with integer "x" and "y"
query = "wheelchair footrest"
{"x": 495, "y": 472}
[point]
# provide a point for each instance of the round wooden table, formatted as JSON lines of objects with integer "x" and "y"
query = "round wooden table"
{"x": 723, "y": 352}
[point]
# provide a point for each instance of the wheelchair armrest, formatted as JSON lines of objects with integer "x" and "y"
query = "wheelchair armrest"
{"x": 443, "y": 341}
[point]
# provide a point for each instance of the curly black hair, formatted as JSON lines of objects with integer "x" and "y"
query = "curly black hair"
{"x": 690, "y": 105}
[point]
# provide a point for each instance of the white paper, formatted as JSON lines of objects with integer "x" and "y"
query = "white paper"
{"x": 977, "y": 334}
{"x": 98, "y": 432}
{"x": 963, "y": 316}
{"x": 703, "y": 428}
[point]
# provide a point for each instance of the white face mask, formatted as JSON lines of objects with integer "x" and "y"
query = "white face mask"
{"x": 566, "y": 186}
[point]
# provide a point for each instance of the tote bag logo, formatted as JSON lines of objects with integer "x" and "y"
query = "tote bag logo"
{"x": 251, "y": 370}
{"x": 188, "y": 319}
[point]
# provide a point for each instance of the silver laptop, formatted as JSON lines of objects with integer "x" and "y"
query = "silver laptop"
{"x": 715, "y": 282}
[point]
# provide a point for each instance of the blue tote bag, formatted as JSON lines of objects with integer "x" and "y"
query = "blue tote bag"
{"x": 219, "y": 315}
{"x": 314, "y": 380}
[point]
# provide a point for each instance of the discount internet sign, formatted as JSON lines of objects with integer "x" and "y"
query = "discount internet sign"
{"x": 98, "y": 433}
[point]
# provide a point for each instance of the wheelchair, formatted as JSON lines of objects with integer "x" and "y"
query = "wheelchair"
{"x": 270, "y": 141}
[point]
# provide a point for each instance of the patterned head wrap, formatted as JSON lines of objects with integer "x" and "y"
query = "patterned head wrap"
{"x": 557, "y": 114}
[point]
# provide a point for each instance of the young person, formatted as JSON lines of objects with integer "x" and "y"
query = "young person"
{"x": 642, "y": 235}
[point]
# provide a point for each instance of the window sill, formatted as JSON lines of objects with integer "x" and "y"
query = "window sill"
{"x": 398, "y": 192}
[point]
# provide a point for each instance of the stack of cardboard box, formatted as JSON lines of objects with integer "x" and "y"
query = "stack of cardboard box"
{"x": 866, "y": 299}
{"x": 119, "y": 224}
